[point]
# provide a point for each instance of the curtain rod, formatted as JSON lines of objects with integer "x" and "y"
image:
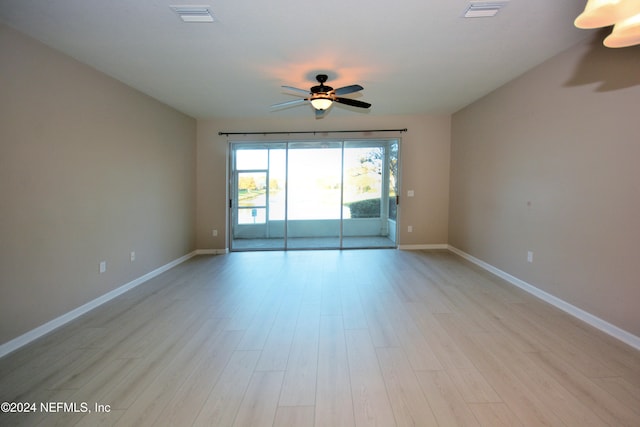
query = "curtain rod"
{"x": 312, "y": 132}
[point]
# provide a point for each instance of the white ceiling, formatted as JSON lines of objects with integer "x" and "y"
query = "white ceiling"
{"x": 411, "y": 56}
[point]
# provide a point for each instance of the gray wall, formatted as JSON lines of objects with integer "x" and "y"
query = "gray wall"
{"x": 90, "y": 170}
{"x": 549, "y": 163}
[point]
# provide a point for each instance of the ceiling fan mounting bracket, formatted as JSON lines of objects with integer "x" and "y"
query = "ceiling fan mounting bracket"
{"x": 321, "y": 88}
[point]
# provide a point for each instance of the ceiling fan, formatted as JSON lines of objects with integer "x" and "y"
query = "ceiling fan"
{"x": 322, "y": 97}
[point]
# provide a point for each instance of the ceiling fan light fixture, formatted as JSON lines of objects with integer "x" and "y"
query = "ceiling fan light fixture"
{"x": 625, "y": 33}
{"x": 603, "y": 13}
{"x": 624, "y": 15}
{"x": 321, "y": 103}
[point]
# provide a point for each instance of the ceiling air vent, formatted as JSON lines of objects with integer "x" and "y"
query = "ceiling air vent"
{"x": 194, "y": 13}
{"x": 484, "y": 9}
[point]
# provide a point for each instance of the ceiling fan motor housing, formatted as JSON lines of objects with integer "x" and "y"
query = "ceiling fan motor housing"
{"x": 321, "y": 89}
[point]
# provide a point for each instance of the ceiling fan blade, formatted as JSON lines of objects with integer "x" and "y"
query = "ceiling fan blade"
{"x": 347, "y": 89}
{"x": 353, "y": 102}
{"x": 289, "y": 103}
{"x": 295, "y": 89}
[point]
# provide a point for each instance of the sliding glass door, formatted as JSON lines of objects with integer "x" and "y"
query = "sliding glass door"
{"x": 313, "y": 194}
{"x": 314, "y": 206}
{"x": 258, "y": 201}
{"x": 368, "y": 187}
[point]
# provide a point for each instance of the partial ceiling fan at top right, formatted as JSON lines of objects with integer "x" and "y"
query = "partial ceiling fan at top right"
{"x": 624, "y": 15}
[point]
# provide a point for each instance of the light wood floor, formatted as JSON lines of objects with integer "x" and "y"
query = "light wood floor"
{"x": 327, "y": 338}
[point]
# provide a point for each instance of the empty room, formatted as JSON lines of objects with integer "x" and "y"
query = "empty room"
{"x": 319, "y": 214}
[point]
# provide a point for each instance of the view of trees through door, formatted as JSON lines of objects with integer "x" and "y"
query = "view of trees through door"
{"x": 307, "y": 195}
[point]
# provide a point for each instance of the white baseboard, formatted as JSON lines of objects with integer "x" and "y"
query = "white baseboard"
{"x": 423, "y": 247}
{"x": 596, "y": 322}
{"x": 41, "y": 330}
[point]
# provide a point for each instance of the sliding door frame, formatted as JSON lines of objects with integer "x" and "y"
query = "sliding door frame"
{"x": 383, "y": 142}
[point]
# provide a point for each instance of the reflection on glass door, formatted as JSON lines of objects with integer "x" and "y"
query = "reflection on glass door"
{"x": 252, "y": 198}
{"x": 392, "y": 182}
{"x": 310, "y": 195}
{"x": 363, "y": 195}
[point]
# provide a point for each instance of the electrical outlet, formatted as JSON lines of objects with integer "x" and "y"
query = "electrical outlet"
{"x": 410, "y": 229}
{"x": 103, "y": 266}
{"x": 530, "y": 256}
{"x": 214, "y": 233}
{"x": 133, "y": 256}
